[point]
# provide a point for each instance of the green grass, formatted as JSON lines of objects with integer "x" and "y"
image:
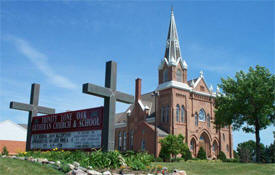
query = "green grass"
{"x": 220, "y": 168}
{"x": 23, "y": 167}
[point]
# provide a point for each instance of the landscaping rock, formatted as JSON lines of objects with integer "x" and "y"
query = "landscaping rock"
{"x": 51, "y": 162}
{"x": 58, "y": 163}
{"x": 40, "y": 160}
{"x": 76, "y": 172}
{"x": 76, "y": 164}
{"x": 107, "y": 173}
{"x": 93, "y": 172}
{"x": 82, "y": 168}
{"x": 72, "y": 167}
{"x": 179, "y": 172}
{"x": 79, "y": 172}
{"x": 21, "y": 158}
{"x": 90, "y": 167}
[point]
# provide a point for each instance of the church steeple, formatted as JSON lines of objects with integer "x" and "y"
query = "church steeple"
{"x": 172, "y": 54}
{"x": 172, "y": 66}
{"x": 172, "y": 51}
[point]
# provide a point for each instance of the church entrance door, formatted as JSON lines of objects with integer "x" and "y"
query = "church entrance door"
{"x": 205, "y": 144}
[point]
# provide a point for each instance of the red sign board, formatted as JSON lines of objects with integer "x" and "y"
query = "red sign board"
{"x": 80, "y": 129}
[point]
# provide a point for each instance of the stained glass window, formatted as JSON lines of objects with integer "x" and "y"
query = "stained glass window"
{"x": 202, "y": 115}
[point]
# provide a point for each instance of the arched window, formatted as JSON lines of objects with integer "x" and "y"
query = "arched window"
{"x": 196, "y": 119}
{"x": 131, "y": 139}
{"x": 162, "y": 114}
{"x": 223, "y": 136}
{"x": 142, "y": 145}
{"x": 167, "y": 113}
{"x": 182, "y": 114}
{"x": 119, "y": 141}
{"x": 215, "y": 148}
{"x": 165, "y": 75}
{"x": 193, "y": 146}
{"x": 202, "y": 115}
{"x": 178, "y": 113}
{"x": 227, "y": 148}
{"x": 208, "y": 120}
{"x": 179, "y": 75}
{"x": 124, "y": 140}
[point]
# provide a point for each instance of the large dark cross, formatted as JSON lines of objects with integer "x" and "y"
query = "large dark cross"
{"x": 33, "y": 110}
{"x": 110, "y": 96}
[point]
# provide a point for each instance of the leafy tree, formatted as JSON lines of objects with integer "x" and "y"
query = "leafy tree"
{"x": 185, "y": 153}
{"x": 201, "y": 153}
{"x": 171, "y": 145}
{"x": 222, "y": 156}
{"x": 236, "y": 156}
{"x": 248, "y": 99}
{"x": 247, "y": 151}
{"x": 5, "y": 151}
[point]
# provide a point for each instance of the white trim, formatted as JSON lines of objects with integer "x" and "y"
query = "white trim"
{"x": 184, "y": 86}
{"x": 141, "y": 105}
{"x": 173, "y": 63}
{"x": 175, "y": 84}
{"x": 120, "y": 125}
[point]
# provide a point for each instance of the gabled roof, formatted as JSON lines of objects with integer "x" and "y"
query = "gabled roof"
{"x": 147, "y": 101}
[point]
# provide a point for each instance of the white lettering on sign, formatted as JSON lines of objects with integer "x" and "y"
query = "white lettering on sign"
{"x": 67, "y": 140}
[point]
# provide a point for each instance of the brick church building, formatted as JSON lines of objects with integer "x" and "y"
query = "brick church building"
{"x": 177, "y": 106}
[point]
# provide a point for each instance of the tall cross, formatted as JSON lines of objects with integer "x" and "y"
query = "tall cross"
{"x": 33, "y": 110}
{"x": 110, "y": 96}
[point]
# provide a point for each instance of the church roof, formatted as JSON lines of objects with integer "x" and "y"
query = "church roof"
{"x": 161, "y": 133}
{"x": 146, "y": 101}
{"x": 172, "y": 54}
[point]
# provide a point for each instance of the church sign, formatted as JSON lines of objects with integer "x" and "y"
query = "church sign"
{"x": 69, "y": 130}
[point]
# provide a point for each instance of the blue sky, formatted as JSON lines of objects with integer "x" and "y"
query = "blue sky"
{"x": 63, "y": 44}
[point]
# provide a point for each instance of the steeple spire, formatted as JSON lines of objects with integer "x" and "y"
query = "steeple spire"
{"x": 172, "y": 56}
{"x": 172, "y": 51}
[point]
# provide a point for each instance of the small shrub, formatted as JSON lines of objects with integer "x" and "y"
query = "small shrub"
{"x": 201, "y": 154}
{"x": 139, "y": 161}
{"x": 185, "y": 153}
{"x": 222, "y": 156}
{"x": 177, "y": 159}
{"x": 164, "y": 154}
{"x": 5, "y": 151}
{"x": 158, "y": 159}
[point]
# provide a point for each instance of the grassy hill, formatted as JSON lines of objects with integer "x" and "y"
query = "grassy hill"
{"x": 16, "y": 167}
{"x": 219, "y": 168}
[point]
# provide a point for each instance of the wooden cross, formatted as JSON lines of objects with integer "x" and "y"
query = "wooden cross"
{"x": 110, "y": 96}
{"x": 33, "y": 110}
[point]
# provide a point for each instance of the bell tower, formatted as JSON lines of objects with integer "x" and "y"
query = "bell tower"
{"x": 172, "y": 66}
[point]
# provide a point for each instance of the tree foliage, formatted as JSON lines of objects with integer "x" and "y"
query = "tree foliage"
{"x": 201, "y": 153}
{"x": 171, "y": 145}
{"x": 247, "y": 151}
{"x": 5, "y": 151}
{"x": 185, "y": 152}
{"x": 247, "y": 102}
{"x": 222, "y": 156}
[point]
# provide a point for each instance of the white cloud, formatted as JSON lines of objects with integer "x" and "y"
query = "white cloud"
{"x": 40, "y": 60}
